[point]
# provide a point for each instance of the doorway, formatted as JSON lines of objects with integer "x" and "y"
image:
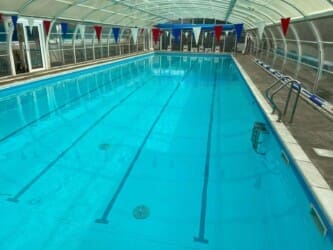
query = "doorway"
{"x": 29, "y": 46}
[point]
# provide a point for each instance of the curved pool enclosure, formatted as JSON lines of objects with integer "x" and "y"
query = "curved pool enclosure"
{"x": 162, "y": 151}
{"x": 130, "y": 124}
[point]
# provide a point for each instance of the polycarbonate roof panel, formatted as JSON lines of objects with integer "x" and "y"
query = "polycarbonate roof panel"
{"x": 146, "y": 13}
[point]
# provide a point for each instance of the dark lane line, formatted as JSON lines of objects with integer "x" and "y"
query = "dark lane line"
{"x": 56, "y": 109}
{"x": 76, "y": 141}
{"x": 201, "y": 234}
{"x": 104, "y": 218}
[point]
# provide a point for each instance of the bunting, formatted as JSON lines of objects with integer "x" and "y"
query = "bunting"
{"x": 156, "y": 34}
{"x": 64, "y": 27}
{"x": 46, "y": 24}
{"x": 116, "y": 32}
{"x": 176, "y": 34}
{"x": 0, "y": 17}
{"x": 218, "y": 32}
{"x": 196, "y": 33}
{"x": 284, "y": 25}
{"x": 82, "y": 29}
{"x": 239, "y": 29}
{"x": 98, "y": 30}
{"x": 134, "y": 32}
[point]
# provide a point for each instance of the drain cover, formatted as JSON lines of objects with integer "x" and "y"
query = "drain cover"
{"x": 104, "y": 146}
{"x": 141, "y": 212}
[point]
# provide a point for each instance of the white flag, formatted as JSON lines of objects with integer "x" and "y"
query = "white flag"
{"x": 134, "y": 32}
{"x": 82, "y": 29}
{"x": 31, "y": 23}
{"x": 196, "y": 32}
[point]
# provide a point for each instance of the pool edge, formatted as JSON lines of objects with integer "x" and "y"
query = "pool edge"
{"x": 316, "y": 183}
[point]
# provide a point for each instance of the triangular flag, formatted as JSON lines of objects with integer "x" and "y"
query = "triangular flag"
{"x": 176, "y": 34}
{"x": 227, "y": 33}
{"x": 218, "y": 32}
{"x": 134, "y": 32}
{"x": 156, "y": 34}
{"x": 98, "y": 30}
{"x": 64, "y": 27}
{"x": 30, "y": 23}
{"x": 46, "y": 24}
{"x": 284, "y": 25}
{"x": 0, "y": 17}
{"x": 116, "y": 32}
{"x": 82, "y": 29}
{"x": 196, "y": 33}
{"x": 239, "y": 29}
{"x": 14, "y": 20}
{"x": 261, "y": 28}
{"x": 167, "y": 33}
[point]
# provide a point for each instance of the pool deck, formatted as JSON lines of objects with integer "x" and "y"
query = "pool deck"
{"x": 311, "y": 129}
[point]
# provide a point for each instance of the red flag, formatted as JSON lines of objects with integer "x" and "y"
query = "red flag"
{"x": 285, "y": 24}
{"x": 156, "y": 34}
{"x": 46, "y": 24}
{"x": 98, "y": 30}
{"x": 218, "y": 32}
{"x": 0, "y": 17}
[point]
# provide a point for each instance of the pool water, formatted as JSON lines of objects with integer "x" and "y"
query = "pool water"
{"x": 149, "y": 153}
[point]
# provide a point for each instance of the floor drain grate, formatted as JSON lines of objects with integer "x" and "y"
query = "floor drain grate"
{"x": 141, "y": 212}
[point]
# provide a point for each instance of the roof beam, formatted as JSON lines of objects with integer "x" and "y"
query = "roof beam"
{"x": 230, "y": 9}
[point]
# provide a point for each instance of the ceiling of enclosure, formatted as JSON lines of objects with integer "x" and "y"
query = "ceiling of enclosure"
{"x": 145, "y": 13}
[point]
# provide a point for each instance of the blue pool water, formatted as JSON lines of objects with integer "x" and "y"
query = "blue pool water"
{"x": 168, "y": 134}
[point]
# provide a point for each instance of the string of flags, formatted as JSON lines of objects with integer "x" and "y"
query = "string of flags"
{"x": 196, "y": 31}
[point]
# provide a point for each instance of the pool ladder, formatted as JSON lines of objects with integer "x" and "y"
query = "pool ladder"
{"x": 259, "y": 130}
{"x": 275, "y": 88}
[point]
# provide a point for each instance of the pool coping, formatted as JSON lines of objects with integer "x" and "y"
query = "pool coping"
{"x": 316, "y": 183}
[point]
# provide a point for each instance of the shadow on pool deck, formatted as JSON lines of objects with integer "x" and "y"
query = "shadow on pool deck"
{"x": 311, "y": 128}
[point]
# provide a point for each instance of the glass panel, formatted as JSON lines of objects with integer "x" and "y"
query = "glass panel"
{"x": 33, "y": 37}
{"x": 304, "y": 31}
{"x": 55, "y": 46}
{"x": 4, "y": 58}
{"x": 324, "y": 25}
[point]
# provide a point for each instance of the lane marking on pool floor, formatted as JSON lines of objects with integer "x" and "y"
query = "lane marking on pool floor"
{"x": 104, "y": 218}
{"x": 76, "y": 141}
{"x": 201, "y": 234}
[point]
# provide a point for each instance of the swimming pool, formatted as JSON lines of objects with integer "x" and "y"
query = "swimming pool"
{"x": 153, "y": 152}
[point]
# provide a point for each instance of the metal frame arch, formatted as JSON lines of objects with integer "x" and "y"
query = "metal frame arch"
{"x": 320, "y": 55}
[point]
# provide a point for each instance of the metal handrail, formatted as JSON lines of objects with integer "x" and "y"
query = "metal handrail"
{"x": 298, "y": 89}
{"x": 270, "y": 97}
{"x": 283, "y": 83}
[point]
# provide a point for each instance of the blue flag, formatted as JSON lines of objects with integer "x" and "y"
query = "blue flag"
{"x": 64, "y": 29}
{"x": 116, "y": 32}
{"x": 239, "y": 29}
{"x": 176, "y": 34}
